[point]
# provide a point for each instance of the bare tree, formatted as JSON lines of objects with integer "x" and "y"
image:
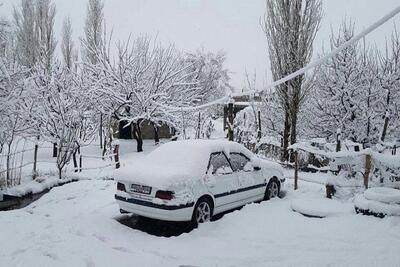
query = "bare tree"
{"x": 45, "y": 15}
{"x": 93, "y": 41}
{"x": 67, "y": 44}
{"x": 93, "y": 30}
{"x": 290, "y": 27}
{"x": 26, "y": 35}
{"x": 66, "y": 113}
{"x": 147, "y": 84}
{"x": 390, "y": 82}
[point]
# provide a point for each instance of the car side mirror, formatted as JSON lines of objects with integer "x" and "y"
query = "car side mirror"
{"x": 256, "y": 168}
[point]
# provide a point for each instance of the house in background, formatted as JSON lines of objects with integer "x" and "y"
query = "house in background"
{"x": 148, "y": 130}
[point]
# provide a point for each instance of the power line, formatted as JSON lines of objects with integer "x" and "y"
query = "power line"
{"x": 301, "y": 71}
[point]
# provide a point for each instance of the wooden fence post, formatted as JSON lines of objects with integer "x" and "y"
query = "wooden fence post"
{"x": 368, "y": 160}
{"x": 116, "y": 155}
{"x": 296, "y": 170}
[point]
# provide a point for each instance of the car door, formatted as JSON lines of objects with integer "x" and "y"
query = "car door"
{"x": 224, "y": 182}
{"x": 251, "y": 182}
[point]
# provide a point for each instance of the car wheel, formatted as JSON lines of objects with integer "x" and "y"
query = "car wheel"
{"x": 203, "y": 211}
{"x": 272, "y": 190}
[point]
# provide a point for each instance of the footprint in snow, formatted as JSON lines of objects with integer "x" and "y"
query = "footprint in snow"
{"x": 19, "y": 251}
{"x": 99, "y": 237}
{"x": 89, "y": 262}
{"x": 121, "y": 249}
{"x": 50, "y": 255}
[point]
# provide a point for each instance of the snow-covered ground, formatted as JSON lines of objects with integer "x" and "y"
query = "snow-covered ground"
{"x": 78, "y": 225}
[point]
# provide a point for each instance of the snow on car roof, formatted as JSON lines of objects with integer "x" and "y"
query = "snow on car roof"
{"x": 176, "y": 162}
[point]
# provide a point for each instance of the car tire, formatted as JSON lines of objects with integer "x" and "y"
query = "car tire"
{"x": 202, "y": 212}
{"x": 273, "y": 189}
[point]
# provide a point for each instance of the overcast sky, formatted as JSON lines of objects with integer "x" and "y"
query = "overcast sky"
{"x": 229, "y": 25}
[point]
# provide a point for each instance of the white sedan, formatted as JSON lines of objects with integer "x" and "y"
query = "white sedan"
{"x": 194, "y": 180}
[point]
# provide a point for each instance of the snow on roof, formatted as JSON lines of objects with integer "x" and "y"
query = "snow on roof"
{"x": 176, "y": 162}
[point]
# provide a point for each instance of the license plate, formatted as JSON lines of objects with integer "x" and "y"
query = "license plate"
{"x": 141, "y": 189}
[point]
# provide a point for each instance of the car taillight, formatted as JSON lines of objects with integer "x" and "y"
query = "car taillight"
{"x": 121, "y": 187}
{"x": 166, "y": 195}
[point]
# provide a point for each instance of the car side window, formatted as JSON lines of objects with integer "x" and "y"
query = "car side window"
{"x": 219, "y": 164}
{"x": 238, "y": 161}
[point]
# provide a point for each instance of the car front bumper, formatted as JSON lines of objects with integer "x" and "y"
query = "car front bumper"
{"x": 152, "y": 210}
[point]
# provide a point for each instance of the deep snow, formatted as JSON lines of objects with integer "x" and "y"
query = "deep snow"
{"x": 76, "y": 225}
{"x": 79, "y": 225}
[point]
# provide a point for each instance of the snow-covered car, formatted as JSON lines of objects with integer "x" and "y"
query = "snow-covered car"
{"x": 194, "y": 180}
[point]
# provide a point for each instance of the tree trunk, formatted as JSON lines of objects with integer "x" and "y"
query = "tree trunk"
{"x": 137, "y": 133}
{"x": 59, "y": 173}
{"x": 8, "y": 171}
{"x": 198, "y": 134}
{"x": 296, "y": 170}
{"x": 230, "y": 121}
{"x": 386, "y": 124}
{"x": 338, "y": 143}
{"x": 54, "y": 150}
{"x": 368, "y": 164}
{"x": 116, "y": 156}
{"x": 156, "y": 135}
{"x": 75, "y": 162}
{"x": 293, "y": 132}
{"x": 385, "y": 127}
{"x": 285, "y": 141}
{"x": 104, "y": 148}
{"x": 174, "y": 137}
{"x": 101, "y": 130}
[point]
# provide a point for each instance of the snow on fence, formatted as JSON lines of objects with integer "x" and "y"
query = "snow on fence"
{"x": 352, "y": 170}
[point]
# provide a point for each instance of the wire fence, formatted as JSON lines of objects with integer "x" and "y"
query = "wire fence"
{"x": 363, "y": 169}
{"x": 13, "y": 164}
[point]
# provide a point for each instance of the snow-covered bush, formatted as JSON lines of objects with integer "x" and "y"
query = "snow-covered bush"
{"x": 65, "y": 115}
{"x": 245, "y": 128}
{"x": 154, "y": 84}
